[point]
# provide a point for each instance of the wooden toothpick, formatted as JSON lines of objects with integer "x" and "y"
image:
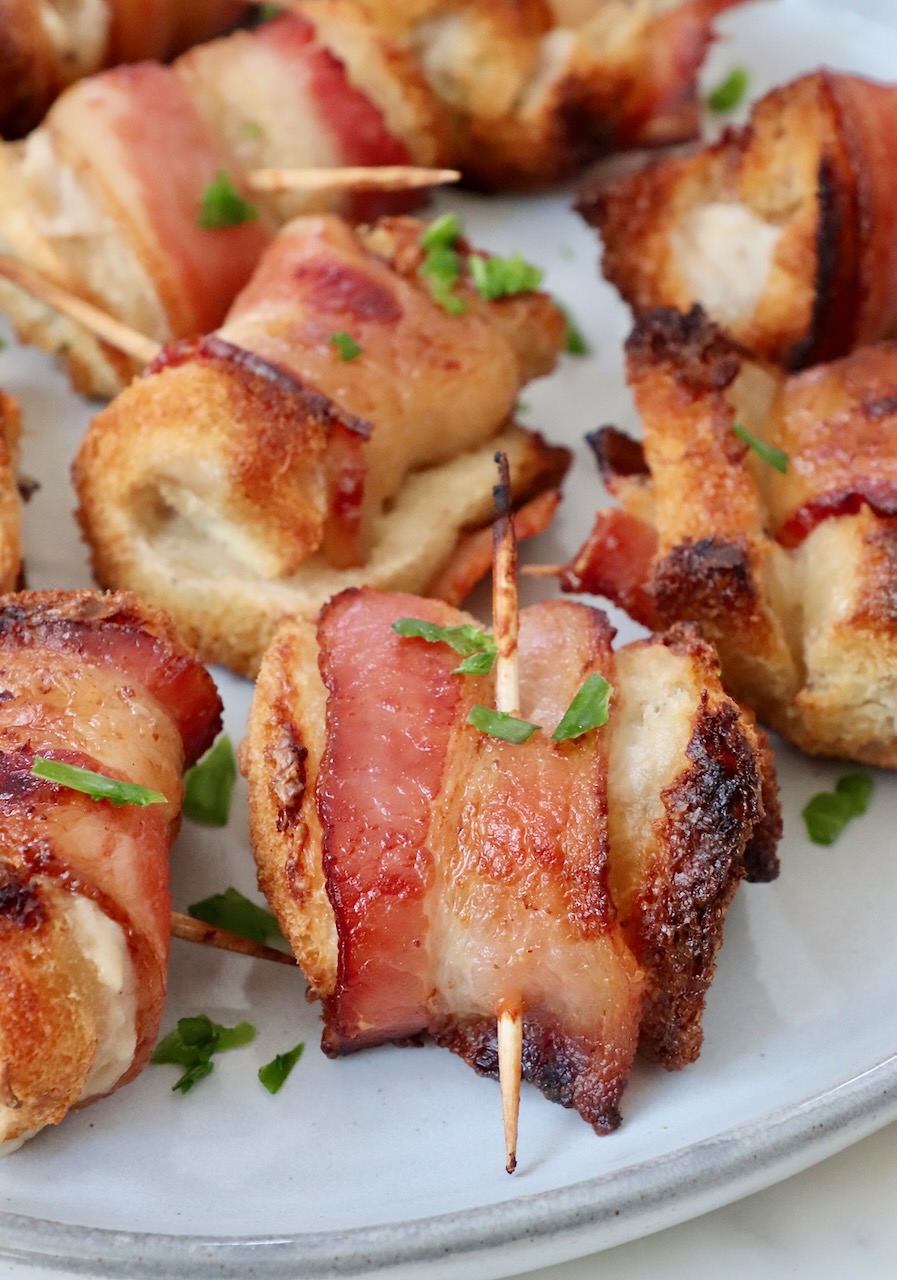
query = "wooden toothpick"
{"x": 358, "y": 178}
{"x": 209, "y": 935}
{"x": 505, "y": 624}
{"x": 100, "y": 323}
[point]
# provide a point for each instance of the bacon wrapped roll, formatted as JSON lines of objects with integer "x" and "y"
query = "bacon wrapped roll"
{"x": 535, "y": 90}
{"x": 791, "y": 574}
{"x": 430, "y": 877}
{"x": 105, "y": 197}
{"x": 100, "y": 683}
{"x": 10, "y": 502}
{"x": 257, "y": 472}
{"x": 45, "y": 45}
{"x": 784, "y": 230}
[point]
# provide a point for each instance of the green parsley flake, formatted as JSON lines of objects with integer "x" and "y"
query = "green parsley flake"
{"x": 729, "y": 92}
{"x": 231, "y": 910}
{"x": 346, "y": 345}
{"x": 588, "y": 710}
{"x": 777, "y": 458}
{"x": 95, "y": 785}
{"x": 828, "y": 813}
{"x": 209, "y": 784}
{"x": 223, "y": 206}
{"x": 499, "y": 724}
{"x": 476, "y": 646}
{"x": 252, "y": 130}
{"x": 443, "y": 233}
{"x": 504, "y": 277}
{"x": 274, "y": 1073}
{"x": 193, "y": 1042}
{"x": 442, "y": 262}
{"x": 574, "y": 342}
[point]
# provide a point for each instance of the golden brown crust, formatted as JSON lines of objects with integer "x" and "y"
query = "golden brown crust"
{"x": 784, "y": 229}
{"x": 804, "y": 624}
{"x": 694, "y": 807}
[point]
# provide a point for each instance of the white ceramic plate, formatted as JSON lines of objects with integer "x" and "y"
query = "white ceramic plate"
{"x": 391, "y": 1161}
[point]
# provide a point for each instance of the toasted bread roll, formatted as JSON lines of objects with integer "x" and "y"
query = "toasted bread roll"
{"x": 46, "y": 45}
{"x": 784, "y": 230}
{"x": 262, "y": 464}
{"x": 10, "y": 502}
{"x": 536, "y": 89}
{"x": 417, "y": 903}
{"x": 102, "y": 684}
{"x": 791, "y": 575}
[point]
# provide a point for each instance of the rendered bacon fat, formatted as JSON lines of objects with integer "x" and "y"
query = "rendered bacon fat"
{"x": 274, "y": 473}
{"x": 791, "y": 575}
{"x": 784, "y": 230}
{"x": 101, "y": 683}
{"x": 430, "y": 877}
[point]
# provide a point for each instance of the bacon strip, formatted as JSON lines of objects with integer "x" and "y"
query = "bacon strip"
{"x": 438, "y": 841}
{"x": 100, "y": 683}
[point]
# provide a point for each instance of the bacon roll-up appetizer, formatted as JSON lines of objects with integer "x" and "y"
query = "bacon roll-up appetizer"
{"x": 109, "y": 197}
{"x": 45, "y": 45}
{"x": 431, "y": 877}
{"x": 537, "y": 89}
{"x": 764, "y": 507}
{"x": 98, "y": 683}
{"x": 784, "y": 230}
{"x": 258, "y": 471}
{"x": 10, "y": 501}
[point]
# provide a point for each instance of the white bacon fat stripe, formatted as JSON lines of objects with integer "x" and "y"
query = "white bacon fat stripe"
{"x": 97, "y": 682}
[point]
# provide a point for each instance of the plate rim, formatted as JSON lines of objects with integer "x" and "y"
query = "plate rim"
{"x": 504, "y": 1238}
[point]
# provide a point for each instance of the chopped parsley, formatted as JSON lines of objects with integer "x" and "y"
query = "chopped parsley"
{"x": 729, "y": 92}
{"x": 95, "y": 785}
{"x": 476, "y": 646}
{"x": 274, "y": 1073}
{"x": 346, "y": 345}
{"x": 574, "y": 342}
{"x": 500, "y": 724}
{"x": 588, "y": 710}
{"x": 193, "y": 1042}
{"x": 223, "y": 206}
{"x": 443, "y": 233}
{"x": 504, "y": 277}
{"x": 231, "y": 910}
{"x": 442, "y": 262}
{"x": 252, "y": 130}
{"x": 777, "y": 458}
{"x": 209, "y": 784}
{"x": 828, "y": 813}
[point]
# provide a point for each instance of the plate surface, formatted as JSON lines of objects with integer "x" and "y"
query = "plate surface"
{"x": 391, "y": 1161}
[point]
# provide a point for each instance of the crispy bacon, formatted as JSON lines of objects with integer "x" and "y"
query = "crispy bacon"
{"x": 431, "y": 877}
{"x": 129, "y": 127}
{"x": 438, "y": 841}
{"x": 100, "y": 683}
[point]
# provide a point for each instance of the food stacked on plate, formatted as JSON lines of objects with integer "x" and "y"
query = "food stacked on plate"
{"x": 519, "y": 841}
